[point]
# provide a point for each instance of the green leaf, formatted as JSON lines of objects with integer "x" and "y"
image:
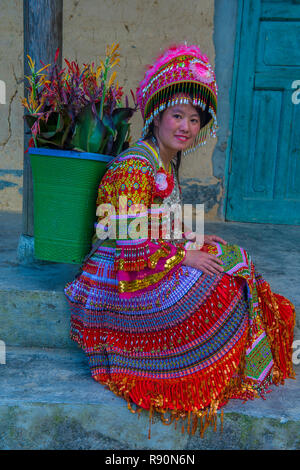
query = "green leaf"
{"x": 56, "y": 141}
{"x": 30, "y": 119}
{"x": 109, "y": 124}
{"x": 54, "y": 125}
{"x": 121, "y": 136}
{"x": 68, "y": 125}
{"x": 96, "y": 136}
{"x": 89, "y": 132}
{"x": 121, "y": 114}
{"x": 109, "y": 146}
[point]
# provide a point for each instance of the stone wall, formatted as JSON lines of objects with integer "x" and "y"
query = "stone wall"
{"x": 143, "y": 29}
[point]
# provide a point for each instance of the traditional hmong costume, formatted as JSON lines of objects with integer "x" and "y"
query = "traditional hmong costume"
{"x": 165, "y": 336}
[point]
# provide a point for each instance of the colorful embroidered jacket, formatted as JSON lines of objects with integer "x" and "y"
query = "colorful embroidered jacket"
{"x": 135, "y": 180}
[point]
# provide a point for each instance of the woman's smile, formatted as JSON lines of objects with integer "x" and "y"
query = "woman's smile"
{"x": 181, "y": 138}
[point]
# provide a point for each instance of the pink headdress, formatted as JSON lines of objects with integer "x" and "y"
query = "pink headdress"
{"x": 181, "y": 74}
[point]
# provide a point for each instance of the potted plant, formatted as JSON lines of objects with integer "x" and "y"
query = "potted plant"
{"x": 77, "y": 125}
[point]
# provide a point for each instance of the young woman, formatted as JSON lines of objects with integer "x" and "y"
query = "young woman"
{"x": 171, "y": 329}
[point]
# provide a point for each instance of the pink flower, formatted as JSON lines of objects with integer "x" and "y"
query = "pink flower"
{"x": 164, "y": 184}
{"x": 202, "y": 73}
{"x": 161, "y": 181}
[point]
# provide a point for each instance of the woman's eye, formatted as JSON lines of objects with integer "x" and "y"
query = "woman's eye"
{"x": 177, "y": 116}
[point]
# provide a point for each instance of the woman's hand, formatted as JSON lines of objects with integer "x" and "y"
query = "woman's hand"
{"x": 207, "y": 263}
{"x": 200, "y": 239}
{"x": 213, "y": 240}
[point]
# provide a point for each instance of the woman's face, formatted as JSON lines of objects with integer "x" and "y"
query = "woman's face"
{"x": 177, "y": 127}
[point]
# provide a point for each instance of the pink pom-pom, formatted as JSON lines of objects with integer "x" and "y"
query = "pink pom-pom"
{"x": 202, "y": 73}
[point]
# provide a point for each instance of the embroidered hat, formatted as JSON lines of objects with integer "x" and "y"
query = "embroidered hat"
{"x": 181, "y": 74}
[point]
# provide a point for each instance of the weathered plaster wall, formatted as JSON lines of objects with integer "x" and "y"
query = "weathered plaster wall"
{"x": 143, "y": 29}
{"x": 11, "y": 120}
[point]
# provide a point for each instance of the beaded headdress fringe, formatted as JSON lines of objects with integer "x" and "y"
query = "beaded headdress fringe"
{"x": 184, "y": 93}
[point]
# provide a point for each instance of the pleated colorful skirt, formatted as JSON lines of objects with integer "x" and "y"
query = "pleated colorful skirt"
{"x": 188, "y": 346}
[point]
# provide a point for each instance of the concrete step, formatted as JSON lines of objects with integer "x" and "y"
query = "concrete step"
{"x": 33, "y": 309}
{"x": 48, "y": 400}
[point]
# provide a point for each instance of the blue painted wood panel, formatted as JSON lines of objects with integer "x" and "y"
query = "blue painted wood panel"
{"x": 278, "y": 44}
{"x": 263, "y": 181}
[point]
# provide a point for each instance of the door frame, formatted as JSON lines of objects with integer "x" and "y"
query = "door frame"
{"x": 233, "y": 91}
{"x": 243, "y": 7}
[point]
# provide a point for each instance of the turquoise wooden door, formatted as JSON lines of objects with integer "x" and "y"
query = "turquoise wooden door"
{"x": 263, "y": 179}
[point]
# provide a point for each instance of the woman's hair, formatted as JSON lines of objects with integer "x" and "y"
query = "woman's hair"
{"x": 204, "y": 118}
{"x": 150, "y": 134}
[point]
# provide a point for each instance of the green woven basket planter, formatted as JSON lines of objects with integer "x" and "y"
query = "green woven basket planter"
{"x": 65, "y": 187}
